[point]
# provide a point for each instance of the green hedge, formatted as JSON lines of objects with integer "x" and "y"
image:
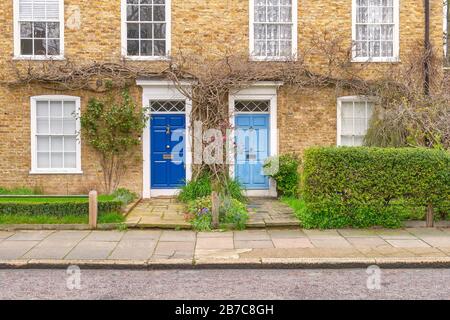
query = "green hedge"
{"x": 362, "y": 187}
{"x": 57, "y": 208}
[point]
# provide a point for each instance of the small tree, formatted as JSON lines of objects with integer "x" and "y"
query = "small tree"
{"x": 113, "y": 128}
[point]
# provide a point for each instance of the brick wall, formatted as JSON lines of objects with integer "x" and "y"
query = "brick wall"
{"x": 205, "y": 27}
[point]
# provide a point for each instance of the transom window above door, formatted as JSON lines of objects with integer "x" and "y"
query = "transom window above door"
{"x": 252, "y": 106}
{"x": 167, "y": 106}
{"x": 376, "y": 30}
{"x": 354, "y": 117}
{"x": 145, "y": 28}
{"x": 38, "y": 29}
{"x": 273, "y": 29}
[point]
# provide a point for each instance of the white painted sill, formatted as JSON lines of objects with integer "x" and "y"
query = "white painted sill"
{"x": 38, "y": 172}
{"x": 272, "y": 59}
{"x": 376, "y": 60}
{"x": 136, "y": 58}
{"x": 39, "y": 58}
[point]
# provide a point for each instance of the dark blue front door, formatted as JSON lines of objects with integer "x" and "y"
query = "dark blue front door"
{"x": 167, "y": 134}
{"x": 252, "y": 139}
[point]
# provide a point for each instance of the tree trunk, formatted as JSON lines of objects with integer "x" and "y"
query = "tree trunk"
{"x": 215, "y": 209}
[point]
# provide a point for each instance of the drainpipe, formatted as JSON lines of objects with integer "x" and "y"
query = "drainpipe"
{"x": 427, "y": 66}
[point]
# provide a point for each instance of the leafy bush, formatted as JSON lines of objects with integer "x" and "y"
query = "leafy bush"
{"x": 287, "y": 176}
{"x": 362, "y": 187}
{"x": 55, "y": 206}
{"x": 233, "y": 213}
{"x": 20, "y": 191}
{"x": 202, "y": 187}
{"x": 124, "y": 195}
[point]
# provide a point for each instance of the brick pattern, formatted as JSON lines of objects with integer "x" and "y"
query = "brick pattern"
{"x": 208, "y": 28}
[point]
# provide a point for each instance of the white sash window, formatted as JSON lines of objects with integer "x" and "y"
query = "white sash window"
{"x": 353, "y": 119}
{"x": 376, "y": 30}
{"x": 273, "y": 29}
{"x": 39, "y": 29}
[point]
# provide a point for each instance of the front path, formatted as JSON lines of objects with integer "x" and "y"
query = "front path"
{"x": 157, "y": 244}
{"x": 168, "y": 213}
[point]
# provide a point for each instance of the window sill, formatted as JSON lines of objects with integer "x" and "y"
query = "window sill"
{"x": 46, "y": 172}
{"x": 39, "y": 58}
{"x": 131, "y": 58}
{"x": 376, "y": 60}
{"x": 272, "y": 59}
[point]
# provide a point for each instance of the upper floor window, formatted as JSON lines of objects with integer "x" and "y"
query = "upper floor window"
{"x": 273, "y": 29}
{"x": 55, "y": 124}
{"x": 38, "y": 29}
{"x": 376, "y": 30}
{"x": 353, "y": 119}
{"x": 145, "y": 28}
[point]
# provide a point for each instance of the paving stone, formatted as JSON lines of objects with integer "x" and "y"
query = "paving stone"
{"x": 367, "y": 242}
{"x": 46, "y": 252}
{"x": 395, "y": 235}
{"x": 251, "y": 235}
{"x": 220, "y": 253}
{"x": 357, "y": 233}
{"x": 137, "y": 249}
{"x": 29, "y": 235}
{"x": 437, "y": 241}
{"x": 426, "y": 252}
{"x": 5, "y": 234}
{"x": 322, "y": 234}
{"x": 292, "y": 243}
{"x": 178, "y": 236}
{"x": 385, "y": 251}
{"x": 215, "y": 234}
{"x": 10, "y": 250}
{"x": 68, "y": 235}
{"x": 92, "y": 250}
{"x": 250, "y": 244}
{"x": 174, "y": 250}
{"x": 142, "y": 235}
{"x": 105, "y": 236}
{"x": 427, "y": 232}
{"x": 215, "y": 243}
{"x": 330, "y": 243}
{"x": 407, "y": 243}
{"x": 280, "y": 234}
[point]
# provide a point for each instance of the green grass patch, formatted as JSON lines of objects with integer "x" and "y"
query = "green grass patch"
{"x": 112, "y": 217}
{"x": 20, "y": 191}
{"x": 34, "y": 200}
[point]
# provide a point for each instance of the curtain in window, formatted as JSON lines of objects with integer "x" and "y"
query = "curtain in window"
{"x": 355, "y": 118}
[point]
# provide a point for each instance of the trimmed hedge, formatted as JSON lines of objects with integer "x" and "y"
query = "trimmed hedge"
{"x": 362, "y": 187}
{"x": 57, "y": 208}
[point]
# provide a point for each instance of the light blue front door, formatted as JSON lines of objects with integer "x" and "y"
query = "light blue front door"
{"x": 167, "y": 134}
{"x": 252, "y": 142}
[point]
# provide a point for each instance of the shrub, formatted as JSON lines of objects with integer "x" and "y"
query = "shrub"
{"x": 56, "y": 207}
{"x": 364, "y": 187}
{"x": 233, "y": 213}
{"x": 202, "y": 187}
{"x": 20, "y": 191}
{"x": 287, "y": 176}
{"x": 124, "y": 195}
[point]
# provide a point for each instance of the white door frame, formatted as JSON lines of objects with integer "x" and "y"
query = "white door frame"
{"x": 163, "y": 90}
{"x": 264, "y": 90}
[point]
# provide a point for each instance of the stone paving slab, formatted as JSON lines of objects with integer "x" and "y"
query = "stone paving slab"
{"x": 155, "y": 245}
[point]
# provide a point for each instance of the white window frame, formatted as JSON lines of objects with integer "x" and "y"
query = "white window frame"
{"x": 16, "y": 28}
{"x": 339, "y": 112}
{"x": 168, "y": 34}
{"x": 252, "y": 34}
{"x": 34, "y": 168}
{"x": 396, "y": 49}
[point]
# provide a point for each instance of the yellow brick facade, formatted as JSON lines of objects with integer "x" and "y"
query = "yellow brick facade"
{"x": 204, "y": 27}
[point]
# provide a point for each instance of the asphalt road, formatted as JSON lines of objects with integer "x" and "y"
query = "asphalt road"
{"x": 225, "y": 284}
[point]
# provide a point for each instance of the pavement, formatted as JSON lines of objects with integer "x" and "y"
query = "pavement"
{"x": 223, "y": 285}
{"x": 168, "y": 213}
{"x": 292, "y": 248}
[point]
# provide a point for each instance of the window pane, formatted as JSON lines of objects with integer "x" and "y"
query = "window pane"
{"x": 132, "y": 13}
{"x": 260, "y": 48}
{"x": 70, "y": 144}
{"x": 43, "y": 160}
{"x": 159, "y": 13}
{"x": 273, "y": 14}
{"x": 57, "y": 160}
{"x": 69, "y": 109}
{"x": 286, "y": 14}
{"x": 70, "y": 161}
{"x": 26, "y": 47}
{"x": 57, "y": 144}
{"x": 347, "y": 126}
{"x": 146, "y": 31}
{"x": 42, "y": 108}
{"x": 272, "y": 32}
{"x": 56, "y": 109}
{"x": 42, "y": 126}
{"x": 39, "y": 47}
{"x": 260, "y": 14}
{"x": 347, "y": 141}
{"x": 43, "y": 144}
{"x": 160, "y": 48}
{"x": 360, "y": 126}
{"x": 133, "y": 47}
{"x": 286, "y": 32}
{"x": 56, "y": 126}
{"x": 358, "y": 141}
{"x": 347, "y": 109}
{"x": 146, "y": 13}
{"x": 160, "y": 30}
{"x": 26, "y": 30}
{"x": 360, "y": 109}
{"x": 53, "y": 47}
{"x": 53, "y": 30}
{"x": 133, "y": 30}
{"x": 39, "y": 29}
{"x": 285, "y": 48}
{"x": 146, "y": 48}
{"x": 69, "y": 127}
